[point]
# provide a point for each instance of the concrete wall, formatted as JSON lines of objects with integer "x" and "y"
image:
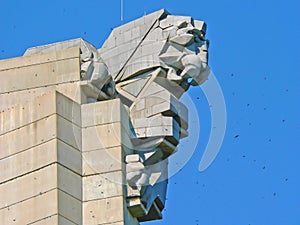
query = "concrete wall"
{"x": 61, "y": 161}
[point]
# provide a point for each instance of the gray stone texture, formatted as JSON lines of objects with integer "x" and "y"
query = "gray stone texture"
{"x": 85, "y": 134}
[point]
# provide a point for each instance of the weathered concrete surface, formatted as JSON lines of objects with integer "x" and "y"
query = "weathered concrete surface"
{"x": 85, "y": 134}
{"x": 39, "y": 70}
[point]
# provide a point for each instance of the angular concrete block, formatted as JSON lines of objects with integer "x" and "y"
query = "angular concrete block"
{"x": 151, "y": 47}
{"x": 70, "y": 90}
{"x": 136, "y": 207}
{"x": 69, "y": 156}
{"x": 171, "y": 107}
{"x": 102, "y": 112}
{"x": 105, "y": 136}
{"x": 34, "y": 76}
{"x": 135, "y": 87}
{"x": 152, "y": 89}
{"x": 29, "y": 136}
{"x": 38, "y": 133}
{"x": 103, "y": 186}
{"x": 51, "y": 220}
{"x": 54, "y": 220}
{"x": 132, "y": 191}
{"x": 133, "y": 167}
{"x": 69, "y": 182}
{"x": 64, "y": 221}
{"x": 133, "y": 158}
{"x": 102, "y": 161}
{"x": 69, "y": 207}
{"x": 28, "y": 186}
{"x": 26, "y": 61}
{"x": 153, "y": 122}
{"x": 102, "y": 211}
{"x": 27, "y": 161}
{"x": 101, "y": 137}
{"x": 78, "y": 43}
{"x": 47, "y": 147}
{"x": 67, "y": 108}
{"x": 38, "y": 157}
{"x": 69, "y": 132}
{"x": 26, "y": 113}
{"x": 41, "y": 107}
{"x": 31, "y": 210}
{"x": 184, "y": 40}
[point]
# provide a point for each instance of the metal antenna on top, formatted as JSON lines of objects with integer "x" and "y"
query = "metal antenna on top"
{"x": 121, "y": 10}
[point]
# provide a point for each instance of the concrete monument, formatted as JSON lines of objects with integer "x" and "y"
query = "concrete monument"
{"x": 86, "y": 133}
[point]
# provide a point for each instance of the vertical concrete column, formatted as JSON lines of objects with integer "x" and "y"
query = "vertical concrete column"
{"x": 40, "y": 162}
{"x": 105, "y": 138}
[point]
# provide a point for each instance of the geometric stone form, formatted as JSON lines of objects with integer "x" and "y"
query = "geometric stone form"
{"x": 49, "y": 164}
{"x": 135, "y": 88}
{"x": 39, "y": 70}
{"x": 167, "y": 58}
{"x": 86, "y": 133}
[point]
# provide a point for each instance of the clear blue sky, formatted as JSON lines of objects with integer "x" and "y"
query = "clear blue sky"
{"x": 254, "y": 54}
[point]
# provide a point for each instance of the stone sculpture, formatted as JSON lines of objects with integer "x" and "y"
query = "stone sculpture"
{"x": 148, "y": 63}
{"x": 153, "y": 61}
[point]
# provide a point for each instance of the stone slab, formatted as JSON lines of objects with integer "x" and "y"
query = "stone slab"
{"x": 64, "y": 221}
{"x": 51, "y": 220}
{"x": 102, "y": 112}
{"x": 102, "y": 161}
{"x": 69, "y": 207}
{"x": 28, "y": 136}
{"x": 30, "y": 210}
{"x": 54, "y": 220}
{"x": 103, "y": 211}
{"x": 26, "y": 61}
{"x": 38, "y": 157}
{"x": 28, "y": 77}
{"x": 40, "y": 181}
{"x": 69, "y": 182}
{"x": 101, "y": 186}
{"x": 23, "y": 114}
{"x": 69, "y": 132}
{"x": 38, "y": 133}
{"x": 104, "y": 136}
{"x": 70, "y": 90}
{"x": 68, "y": 109}
{"x": 69, "y": 156}
{"x": 28, "y": 186}
{"x": 153, "y": 122}
{"x": 27, "y": 161}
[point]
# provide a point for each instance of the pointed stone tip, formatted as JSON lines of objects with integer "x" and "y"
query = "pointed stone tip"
{"x": 158, "y": 14}
{"x": 163, "y": 11}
